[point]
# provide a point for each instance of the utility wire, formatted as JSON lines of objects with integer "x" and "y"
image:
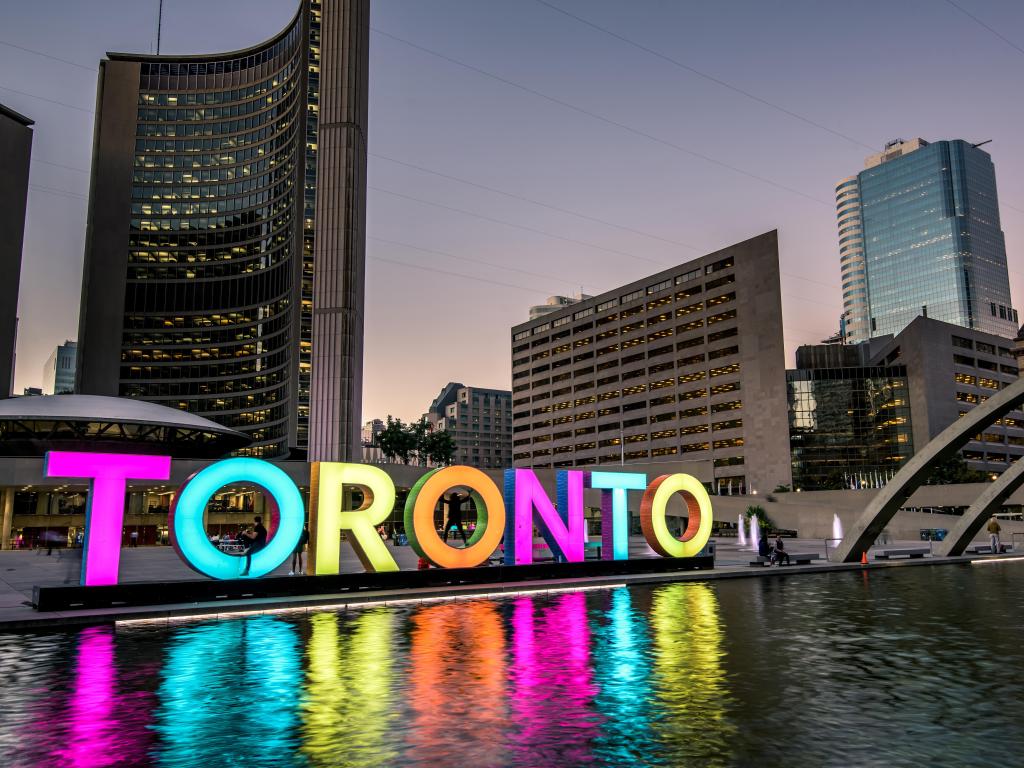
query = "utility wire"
{"x": 50, "y": 101}
{"x": 472, "y": 261}
{"x": 706, "y": 76}
{"x": 603, "y": 119}
{"x": 48, "y": 56}
{"x": 525, "y": 199}
{"x": 514, "y": 225}
{"x": 981, "y": 23}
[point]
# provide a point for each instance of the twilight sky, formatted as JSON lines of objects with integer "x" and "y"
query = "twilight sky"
{"x": 518, "y": 152}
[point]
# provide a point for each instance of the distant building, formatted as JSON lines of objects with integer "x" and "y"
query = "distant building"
{"x": 370, "y": 431}
{"x": 480, "y": 421}
{"x": 684, "y": 365}
{"x": 15, "y": 155}
{"x": 919, "y": 235}
{"x": 59, "y": 371}
{"x": 555, "y": 303}
{"x": 940, "y": 370}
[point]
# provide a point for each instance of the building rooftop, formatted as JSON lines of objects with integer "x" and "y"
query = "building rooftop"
{"x": 8, "y": 112}
{"x": 31, "y": 425}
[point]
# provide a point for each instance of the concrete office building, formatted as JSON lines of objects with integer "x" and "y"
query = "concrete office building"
{"x": 919, "y": 234}
{"x": 684, "y": 365}
{"x": 870, "y": 406}
{"x": 224, "y": 255}
{"x": 59, "y": 370}
{"x": 951, "y": 369}
{"x": 480, "y": 421}
{"x": 15, "y": 156}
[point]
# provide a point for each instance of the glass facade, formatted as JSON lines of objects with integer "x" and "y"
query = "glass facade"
{"x": 848, "y": 427}
{"x": 210, "y": 298}
{"x": 920, "y": 235}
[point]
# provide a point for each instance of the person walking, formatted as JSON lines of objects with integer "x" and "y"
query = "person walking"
{"x": 297, "y": 554}
{"x": 257, "y": 540}
{"x": 993, "y": 534}
{"x": 133, "y": 539}
{"x": 455, "y": 501}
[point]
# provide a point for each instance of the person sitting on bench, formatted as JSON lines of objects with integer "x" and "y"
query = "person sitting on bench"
{"x": 764, "y": 548}
{"x": 779, "y": 552}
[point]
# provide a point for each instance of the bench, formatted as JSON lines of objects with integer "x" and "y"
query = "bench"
{"x": 889, "y": 554}
{"x": 795, "y": 558}
{"x": 986, "y": 549}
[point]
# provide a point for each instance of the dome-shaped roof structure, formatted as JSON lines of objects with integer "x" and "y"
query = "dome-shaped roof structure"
{"x": 30, "y": 426}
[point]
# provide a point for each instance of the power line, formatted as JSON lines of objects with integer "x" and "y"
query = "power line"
{"x": 60, "y": 165}
{"x": 513, "y": 224}
{"x": 434, "y": 270}
{"x": 981, "y": 23}
{"x": 530, "y": 200}
{"x": 473, "y": 261}
{"x": 603, "y": 119}
{"x": 50, "y": 101}
{"x": 705, "y": 75}
{"x": 55, "y": 191}
{"x": 49, "y": 56}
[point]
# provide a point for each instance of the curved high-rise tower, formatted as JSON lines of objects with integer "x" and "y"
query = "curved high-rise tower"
{"x": 224, "y": 255}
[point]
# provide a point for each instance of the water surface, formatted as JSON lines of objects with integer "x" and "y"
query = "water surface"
{"x": 907, "y": 666}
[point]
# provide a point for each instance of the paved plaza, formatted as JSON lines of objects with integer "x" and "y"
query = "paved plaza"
{"x": 20, "y": 571}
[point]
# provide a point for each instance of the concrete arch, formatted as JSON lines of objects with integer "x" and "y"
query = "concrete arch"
{"x": 903, "y": 484}
{"x": 984, "y": 506}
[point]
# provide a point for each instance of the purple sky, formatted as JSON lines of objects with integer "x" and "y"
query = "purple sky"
{"x": 636, "y": 144}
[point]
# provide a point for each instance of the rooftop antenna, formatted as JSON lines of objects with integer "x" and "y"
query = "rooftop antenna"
{"x": 159, "y": 24}
{"x": 982, "y": 143}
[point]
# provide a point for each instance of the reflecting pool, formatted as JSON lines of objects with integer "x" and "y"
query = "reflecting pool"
{"x": 904, "y": 666}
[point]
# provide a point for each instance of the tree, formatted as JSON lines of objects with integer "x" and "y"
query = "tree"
{"x": 419, "y": 435}
{"x": 955, "y": 470}
{"x": 396, "y": 441}
{"x": 440, "y": 448}
{"x": 763, "y": 521}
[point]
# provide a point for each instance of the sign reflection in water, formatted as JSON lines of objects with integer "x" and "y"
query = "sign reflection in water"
{"x": 553, "y": 685}
{"x": 684, "y": 674}
{"x": 231, "y": 688}
{"x": 457, "y": 693}
{"x": 689, "y": 675}
{"x": 349, "y": 702}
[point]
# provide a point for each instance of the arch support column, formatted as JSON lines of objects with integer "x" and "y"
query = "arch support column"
{"x": 983, "y": 507}
{"x": 903, "y": 484}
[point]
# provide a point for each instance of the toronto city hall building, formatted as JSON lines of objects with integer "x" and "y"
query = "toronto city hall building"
{"x": 224, "y": 258}
{"x": 15, "y": 157}
{"x": 685, "y": 365}
{"x": 919, "y": 235}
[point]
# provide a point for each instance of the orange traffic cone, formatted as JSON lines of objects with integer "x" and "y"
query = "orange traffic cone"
{"x": 864, "y": 558}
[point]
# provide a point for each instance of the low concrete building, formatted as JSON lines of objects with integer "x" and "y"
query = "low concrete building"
{"x": 686, "y": 364}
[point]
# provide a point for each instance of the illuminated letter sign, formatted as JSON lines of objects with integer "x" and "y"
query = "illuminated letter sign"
{"x": 108, "y": 475}
{"x": 652, "y": 516}
{"x": 327, "y": 505}
{"x": 614, "y": 512}
{"x": 188, "y": 534}
{"x": 419, "y": 517}
{"x": 563, "y": 529}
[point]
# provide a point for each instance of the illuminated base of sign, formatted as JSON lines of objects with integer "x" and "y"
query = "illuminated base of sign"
{"x": 211, "y": 592}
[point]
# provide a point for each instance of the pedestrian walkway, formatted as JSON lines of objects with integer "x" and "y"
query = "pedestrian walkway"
{"x": 21, "y": 570}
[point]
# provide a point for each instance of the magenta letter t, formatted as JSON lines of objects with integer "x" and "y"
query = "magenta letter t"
{"x": 108, "y": 475}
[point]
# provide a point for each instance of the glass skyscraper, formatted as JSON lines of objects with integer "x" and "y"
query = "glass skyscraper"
{"x": 919, "y": 234}
{"x": 206, "y": 284}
